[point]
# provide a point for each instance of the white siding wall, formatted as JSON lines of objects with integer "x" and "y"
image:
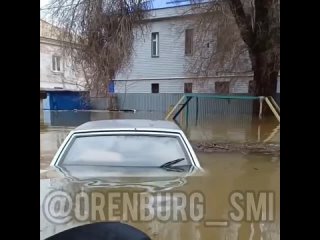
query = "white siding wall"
{"x": 169, "y": 69}
{"x": 239, "y": 85}
{"x": 144, "y": 86}
{"x": 171, "y": 60}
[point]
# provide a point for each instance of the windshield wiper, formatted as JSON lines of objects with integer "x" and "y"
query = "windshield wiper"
{"x": 170, "y": 163}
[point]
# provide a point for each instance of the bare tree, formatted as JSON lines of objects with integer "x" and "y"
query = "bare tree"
{"x": 98, "y": 35}
{"x": 238, "y": 36}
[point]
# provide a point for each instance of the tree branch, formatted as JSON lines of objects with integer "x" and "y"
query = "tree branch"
{"x": 242, "y": 21}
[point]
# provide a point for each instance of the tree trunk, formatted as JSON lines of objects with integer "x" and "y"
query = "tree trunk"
{"x": 265, "y": 78}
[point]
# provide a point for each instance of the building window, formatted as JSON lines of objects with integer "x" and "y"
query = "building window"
{"x": 155, "y": 44}
{"x": 251, "y": 87}
{"x": 222, "y": 87}
{"x": 155, "y": 87}
{"x": 188, "y": 41}
{"x": 56, "y": 64}
{"x": 188, "y": 87}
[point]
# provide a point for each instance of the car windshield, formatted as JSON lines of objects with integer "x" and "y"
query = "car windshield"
{"x": 125, "y": 150}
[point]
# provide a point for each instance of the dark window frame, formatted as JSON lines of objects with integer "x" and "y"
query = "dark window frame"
{"x": 152, "y": 87}
{"x": 187, "y": 86}
{"x": 188, "y": 44}
{"x": 251, "y": 87}
{"x": 220, "y": 89}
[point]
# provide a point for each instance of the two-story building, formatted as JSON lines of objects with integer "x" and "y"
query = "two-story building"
{"x": 62, "y": 83}
{"x": 158, "y": 69}
{"x": 161, "y": 57}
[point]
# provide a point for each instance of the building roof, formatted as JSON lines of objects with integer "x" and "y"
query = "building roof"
{"x": 159, "y": 4}
{"x": 131, "y": 124}
{"x": 49, "y": 30}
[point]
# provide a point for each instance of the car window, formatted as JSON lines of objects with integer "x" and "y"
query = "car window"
{"x": 125, "y": 150}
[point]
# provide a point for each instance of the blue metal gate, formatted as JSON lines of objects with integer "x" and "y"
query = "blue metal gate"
{"x": 68, "y": 100}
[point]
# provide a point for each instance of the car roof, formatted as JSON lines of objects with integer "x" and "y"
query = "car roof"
{"x": 134, "y": 124}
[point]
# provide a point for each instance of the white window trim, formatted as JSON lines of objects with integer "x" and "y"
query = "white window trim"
{"x": 61, "y": 64}
{"x": 157, "y": 44}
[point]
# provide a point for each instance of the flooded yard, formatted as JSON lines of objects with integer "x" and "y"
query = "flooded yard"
{"x": 227, "y": 172}
{"x": 229, "y": 129}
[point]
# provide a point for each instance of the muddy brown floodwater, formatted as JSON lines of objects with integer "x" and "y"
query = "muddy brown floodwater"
{"x": 239, "y": 171}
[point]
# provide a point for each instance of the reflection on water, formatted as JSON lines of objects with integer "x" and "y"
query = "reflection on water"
{"x": 226, "y": 173}
{"x": 238, "y": 129}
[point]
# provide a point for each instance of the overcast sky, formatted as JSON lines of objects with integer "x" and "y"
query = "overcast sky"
{"x": 155, "y": 4}
{"x": 43, "y": 3}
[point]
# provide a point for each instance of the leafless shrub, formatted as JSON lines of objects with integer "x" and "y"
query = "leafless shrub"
{"x": 236, "y": 36}
{"x": 98, "y": 35}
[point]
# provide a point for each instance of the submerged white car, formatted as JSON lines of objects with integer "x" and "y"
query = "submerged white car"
{"x": 126, "y": 148}
{"x": 131, "y": 156}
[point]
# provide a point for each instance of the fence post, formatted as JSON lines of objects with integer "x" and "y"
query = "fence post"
{"x": 197, "y": 110}
{"x": 260, "y": 107}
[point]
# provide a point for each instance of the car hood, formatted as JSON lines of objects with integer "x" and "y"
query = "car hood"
{"x": 73, "y": 180}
